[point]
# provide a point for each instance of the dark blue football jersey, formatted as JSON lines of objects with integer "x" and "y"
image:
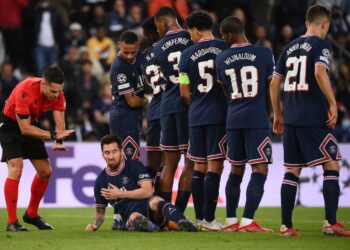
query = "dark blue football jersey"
{"x": 128, "y": 178}
{"x": 155, "y": 80}
{"x": 245, "y": 70}
{"x": 167, "y": 52}
{"x": 208, "y": 104}
{"x": 303, "y": 101}
{"x": 126, "y": 78}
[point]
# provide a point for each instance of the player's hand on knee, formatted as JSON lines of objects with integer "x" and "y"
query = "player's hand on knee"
{"x": 90, "y": 228}
{"x": 59, "y": 147}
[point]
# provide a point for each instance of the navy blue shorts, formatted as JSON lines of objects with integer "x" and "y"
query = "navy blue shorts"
{"x": 252, "y": 145}
{"x": 309, "y": 146}
{"x": 174, "y": 135}
{"x": 132, "y": 206}
{"x": 207, "y": 143}
{"x": 153, "y": 135}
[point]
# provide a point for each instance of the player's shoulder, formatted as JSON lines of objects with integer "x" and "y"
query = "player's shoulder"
{"x": 223, "y": 55}
{"x": 29, "y": 85}
{"x": 134, "y": 163}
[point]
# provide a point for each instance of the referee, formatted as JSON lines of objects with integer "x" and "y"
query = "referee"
{"x": 21, "y": 138}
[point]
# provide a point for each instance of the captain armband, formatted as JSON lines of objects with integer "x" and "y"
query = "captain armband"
{"x": 184, "y": 79}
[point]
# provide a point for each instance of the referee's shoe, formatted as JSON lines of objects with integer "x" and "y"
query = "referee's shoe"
{"x": 16, "y": 227}
{"x": 37, "y": 221}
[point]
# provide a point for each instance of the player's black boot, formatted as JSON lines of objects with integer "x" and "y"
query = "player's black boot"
{"x": 16, "y": 227}
{"x": 37, "y": 221}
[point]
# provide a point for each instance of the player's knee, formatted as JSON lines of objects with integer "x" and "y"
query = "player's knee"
{"x": 295, "y": 171}
{"x": 15, "y": 171}
{"x": 44, "y": 173}
{"x": 153, "y": 203}
{"x": 133, "y": 216}
{"x": 331, "y": 165}
{"x": 260, "y": 169}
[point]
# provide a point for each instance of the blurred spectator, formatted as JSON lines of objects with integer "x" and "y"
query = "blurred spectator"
{"x": 134, "y": 19}
{"x": 179, "y": 5}
{"x": 87, "y": 93}
{"x": 48, "y": 31}
{"x": 81, "y": 13}
{"x": 74, "y": 37}
{"x": 101, "y": 48}
{"x": 11, "y": 28}
{"x": 7, "y": 82}
{"x": 292, "y": 13}
{"x": 216, "y": 27}
{"x": 2, "y": 48}
{"x": 248, "y": 24}
{"x": 70, "y": 65}
{"x": 97, "y": 69}
{"x": 99, "y": 18}
{"x": 100, "y": 110}
{"x": 338, "y": 23}
{"x": 116, "y": 19}
{"x": 283, "y": 39}
{"x": 260, "y": 34}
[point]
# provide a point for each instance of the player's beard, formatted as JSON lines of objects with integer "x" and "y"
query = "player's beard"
{"x": 114, "y": 165}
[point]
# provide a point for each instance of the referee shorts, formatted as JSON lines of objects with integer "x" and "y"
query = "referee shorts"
{"x": 16, "y": 145}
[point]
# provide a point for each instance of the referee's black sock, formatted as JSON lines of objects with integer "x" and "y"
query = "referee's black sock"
{"x": 197, "y": 193}
{"x": 211, "y": 190}
{"x": 331, "y": 192}
{"x": 288, "y": 193}
{"x": 232, "y": 191}
{"x": 255, "y": 191}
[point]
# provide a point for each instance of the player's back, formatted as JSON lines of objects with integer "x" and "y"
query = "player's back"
{"x": 167, "y": 54}
{"x": 304, "y": 103}
{"x": 245, "y": 69}
{"x": 208, "y": 104}
{"x": 154, "y": 79}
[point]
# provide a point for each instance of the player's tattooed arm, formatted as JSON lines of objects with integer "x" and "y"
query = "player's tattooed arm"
{"x": 99, "y": 218}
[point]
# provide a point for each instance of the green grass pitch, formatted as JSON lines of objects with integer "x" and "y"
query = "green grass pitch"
{"x": 69, "y": 233}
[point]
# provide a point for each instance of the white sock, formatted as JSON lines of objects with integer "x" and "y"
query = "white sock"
{"x": 231, "y": 221}
{"x": 245, "y": 221}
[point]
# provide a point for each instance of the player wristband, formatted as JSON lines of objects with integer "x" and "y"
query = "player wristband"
{"x": 59, "y": 141}
{"x": 184, "y": 79}
{"x": 53, "y": 135}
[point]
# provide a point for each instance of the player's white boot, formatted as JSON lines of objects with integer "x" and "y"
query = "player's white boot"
{"x": 211, "y": 226}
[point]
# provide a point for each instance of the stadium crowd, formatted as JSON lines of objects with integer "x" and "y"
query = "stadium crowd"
{"x": 80, "y": 36}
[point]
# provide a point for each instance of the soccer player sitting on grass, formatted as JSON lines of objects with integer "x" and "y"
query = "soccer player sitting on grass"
{"x": 127, "y": 186}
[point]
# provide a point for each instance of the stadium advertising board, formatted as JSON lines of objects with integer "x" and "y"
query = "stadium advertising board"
{"x": 75, "y": 171}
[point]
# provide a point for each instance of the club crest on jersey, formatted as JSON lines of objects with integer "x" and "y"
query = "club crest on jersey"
{"x": 125, "y": 180}
{"x": 129, "y": 151}
{"x": 121, "y": 78}
{"x": 268, "y": 152}
{"x": 332, "y": 149}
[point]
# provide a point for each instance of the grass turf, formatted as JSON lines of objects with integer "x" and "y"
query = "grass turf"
{"x": 69, "y": 233}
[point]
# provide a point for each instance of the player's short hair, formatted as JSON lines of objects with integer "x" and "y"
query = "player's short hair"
{"x": 316, "y": 12}
{"x": 108, "y": 139}
{"x": 199, "y": 20}
{"x": 233, "y": 25}
{"x": 53, "y": 74}
{"x": 128, "y": 37}
{"x": 148, "y": 25}
{"x": 165, "y": 11}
